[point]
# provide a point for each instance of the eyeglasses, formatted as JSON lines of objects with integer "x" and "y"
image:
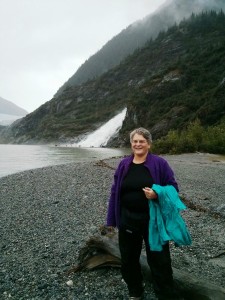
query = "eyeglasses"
{"x": 139, "y": 141}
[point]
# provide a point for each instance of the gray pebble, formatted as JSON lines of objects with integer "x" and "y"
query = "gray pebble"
{"x": 47, "y": 215}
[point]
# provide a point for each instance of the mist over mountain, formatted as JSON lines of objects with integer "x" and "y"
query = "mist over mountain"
{"x": 136, "y": 35}
{"x": 9, "y": 108}
{"x": 9, "y": 112}
{"x": 173, "y": 80}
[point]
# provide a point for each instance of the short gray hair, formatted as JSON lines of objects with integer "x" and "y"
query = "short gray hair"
{"x": 142, "y": 131}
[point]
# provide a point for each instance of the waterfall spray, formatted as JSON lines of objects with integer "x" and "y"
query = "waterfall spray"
{"x": 101, "y": 136}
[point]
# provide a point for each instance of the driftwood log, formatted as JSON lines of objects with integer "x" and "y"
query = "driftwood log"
{"x": 103, "y": 251}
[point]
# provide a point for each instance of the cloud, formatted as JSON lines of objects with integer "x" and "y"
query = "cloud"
{"x": 43, "y": 42}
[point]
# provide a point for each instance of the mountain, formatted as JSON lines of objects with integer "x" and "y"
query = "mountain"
{"x": 9, "y": 112}
{"x": 9, "y": 108}
{"x": 169, "y": 82}
{"x": 136, "y": 35}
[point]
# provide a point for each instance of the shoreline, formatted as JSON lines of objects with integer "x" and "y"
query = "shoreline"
{"x": 18, "y": 158}
{"x": 47, "y": 215}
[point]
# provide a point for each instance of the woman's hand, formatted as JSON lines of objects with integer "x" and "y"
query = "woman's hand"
{"x": 149, "y": 193}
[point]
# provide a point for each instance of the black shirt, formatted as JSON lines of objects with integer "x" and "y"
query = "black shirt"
{"x": 134, "y": 204}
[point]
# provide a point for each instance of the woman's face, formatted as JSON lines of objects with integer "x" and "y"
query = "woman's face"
{"x": 139, "y": 145}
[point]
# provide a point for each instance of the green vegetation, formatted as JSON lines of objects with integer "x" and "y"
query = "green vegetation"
{"x": 194, "y": 138}
{"x": 167, "y": 85}
{"x": 136, "y": 35}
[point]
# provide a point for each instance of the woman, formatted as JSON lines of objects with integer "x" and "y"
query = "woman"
{"x": 128, "y": 210}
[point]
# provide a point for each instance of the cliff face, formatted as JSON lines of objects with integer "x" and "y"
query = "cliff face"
{"x": 171, "y": 81}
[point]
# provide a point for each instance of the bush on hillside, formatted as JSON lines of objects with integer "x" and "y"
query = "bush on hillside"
{"x": 194, "y": 138}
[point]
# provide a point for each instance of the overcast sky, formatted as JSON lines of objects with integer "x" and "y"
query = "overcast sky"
{"x": 43, "y": 42}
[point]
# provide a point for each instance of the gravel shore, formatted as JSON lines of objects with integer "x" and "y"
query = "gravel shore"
{"x": 47, "y": 215}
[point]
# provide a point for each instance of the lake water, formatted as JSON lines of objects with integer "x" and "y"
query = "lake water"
{"x": 16, "y": 158}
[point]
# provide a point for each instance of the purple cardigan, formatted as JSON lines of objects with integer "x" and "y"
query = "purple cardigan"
{"x": 161, "y": 173}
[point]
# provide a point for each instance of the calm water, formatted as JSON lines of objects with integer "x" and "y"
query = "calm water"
{"x": 16, "y": 158}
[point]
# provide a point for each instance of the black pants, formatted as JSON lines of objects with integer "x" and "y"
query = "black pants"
{"x": 130, "y": 243}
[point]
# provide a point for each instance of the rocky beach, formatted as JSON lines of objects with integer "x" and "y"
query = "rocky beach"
{"x": 47, "y": 215}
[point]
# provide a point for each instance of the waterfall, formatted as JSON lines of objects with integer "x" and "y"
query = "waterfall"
{"x": 101, "y": 136}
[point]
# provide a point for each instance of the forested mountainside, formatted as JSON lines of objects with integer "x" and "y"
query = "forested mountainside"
{"x": 136, "y": 35}
{"x": 173, "y": 80}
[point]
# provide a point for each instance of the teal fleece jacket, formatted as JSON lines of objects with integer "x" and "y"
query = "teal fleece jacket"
{"x": 166, "y": 223}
